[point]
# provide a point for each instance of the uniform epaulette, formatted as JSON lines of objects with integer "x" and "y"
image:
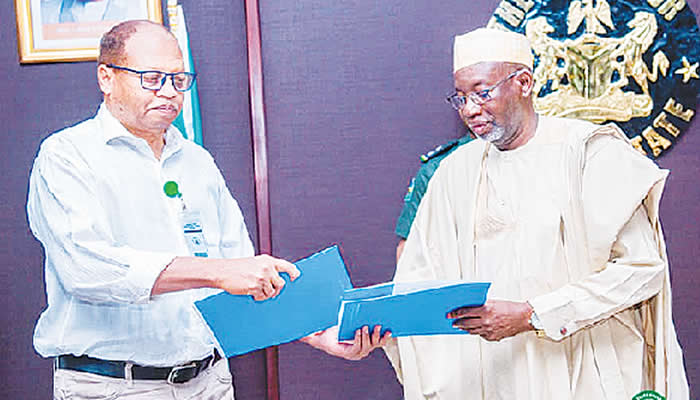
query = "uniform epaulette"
{"x": 438, "y": 150}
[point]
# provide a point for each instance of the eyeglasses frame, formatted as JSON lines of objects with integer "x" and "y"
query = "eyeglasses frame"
{"x": 162, "y": 81}
{"x": 479, "y": 97}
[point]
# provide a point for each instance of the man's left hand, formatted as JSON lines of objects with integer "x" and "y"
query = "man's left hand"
{"x": 361, "y": 346}
{"x": 495, "y": 320}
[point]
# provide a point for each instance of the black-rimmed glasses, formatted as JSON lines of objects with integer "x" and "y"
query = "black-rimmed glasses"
{"x": 458, "y": 101}
{"x": 154, "y": 80}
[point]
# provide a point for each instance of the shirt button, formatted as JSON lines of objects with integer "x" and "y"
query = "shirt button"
{"x": 563, "y": 331}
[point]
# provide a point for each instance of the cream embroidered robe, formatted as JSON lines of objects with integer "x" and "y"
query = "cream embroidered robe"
{"x": 570, "y": 223}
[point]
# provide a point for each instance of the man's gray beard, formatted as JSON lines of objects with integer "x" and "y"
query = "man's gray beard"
{"x": 497, "y": 132}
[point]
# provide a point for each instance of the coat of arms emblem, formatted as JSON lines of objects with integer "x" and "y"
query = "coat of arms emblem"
{"x": 634, "y": 63}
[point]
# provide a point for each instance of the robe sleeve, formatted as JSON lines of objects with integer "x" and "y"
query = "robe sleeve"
{"x": 627, "y": 267}
{"x": 634, "y": 273}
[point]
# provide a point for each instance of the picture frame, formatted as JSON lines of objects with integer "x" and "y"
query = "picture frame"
{"x": 70, "y": 30}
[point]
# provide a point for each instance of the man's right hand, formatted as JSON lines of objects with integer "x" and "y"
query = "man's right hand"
{"x": 257, "y": 276}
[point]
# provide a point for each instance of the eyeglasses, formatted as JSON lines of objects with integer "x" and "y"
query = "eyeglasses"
{"x": 458, "y": 101}
{"x": 154, "y": 80}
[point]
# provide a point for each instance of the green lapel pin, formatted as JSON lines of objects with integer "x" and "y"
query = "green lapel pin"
{"x": 171, "y": 189}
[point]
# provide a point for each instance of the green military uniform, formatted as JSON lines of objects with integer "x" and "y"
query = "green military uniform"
{"x": 419, "y": 184}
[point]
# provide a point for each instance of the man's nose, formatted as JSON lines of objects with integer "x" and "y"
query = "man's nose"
{"x": 168, "y": 88}
{"x": 469, "y": 109}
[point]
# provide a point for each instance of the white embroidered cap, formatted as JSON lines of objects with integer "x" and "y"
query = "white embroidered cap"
{"x": 486, "y": 44}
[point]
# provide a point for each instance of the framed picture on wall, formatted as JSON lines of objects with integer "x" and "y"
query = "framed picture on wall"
{"x": 70, "y": 30}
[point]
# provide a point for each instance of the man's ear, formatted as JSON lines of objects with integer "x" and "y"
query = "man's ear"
{"x": 105, "y": 78}
{"x": 527, "y": 82}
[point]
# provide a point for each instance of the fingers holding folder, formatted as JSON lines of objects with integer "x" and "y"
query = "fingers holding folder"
{"x": 258, "y": 277}
{"x": 309, "y": 304}
{"x": 362, "y": 344}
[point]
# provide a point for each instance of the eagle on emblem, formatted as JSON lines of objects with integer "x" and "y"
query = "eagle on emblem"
{"x": 595, "y": 16}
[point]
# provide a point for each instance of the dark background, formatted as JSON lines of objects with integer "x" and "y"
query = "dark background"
{"x": 353, "y": 94}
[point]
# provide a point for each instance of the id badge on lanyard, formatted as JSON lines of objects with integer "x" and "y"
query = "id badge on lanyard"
{"x": 194, "y": 235}
{"x": 191, "y": 223}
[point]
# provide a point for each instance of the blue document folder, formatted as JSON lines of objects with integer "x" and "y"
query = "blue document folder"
{"x": 408, "y": 309}
{"x": 307, "y": 305}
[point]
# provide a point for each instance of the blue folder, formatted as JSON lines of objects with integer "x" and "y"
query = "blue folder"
{"x": 307, "y": 305}
{"x": 408, "y": 309}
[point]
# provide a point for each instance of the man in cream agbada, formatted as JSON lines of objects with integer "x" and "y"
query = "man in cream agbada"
{"x": 562, "y": 217}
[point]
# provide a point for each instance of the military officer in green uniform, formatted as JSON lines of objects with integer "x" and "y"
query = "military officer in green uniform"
{"x": 419, "y": 184}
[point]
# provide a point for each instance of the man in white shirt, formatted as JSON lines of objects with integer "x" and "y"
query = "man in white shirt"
{"x": 561, "y": 216}
{"x": 137, "y": 224}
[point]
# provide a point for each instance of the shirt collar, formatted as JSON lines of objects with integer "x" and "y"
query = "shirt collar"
{"x": 113, "y": 129}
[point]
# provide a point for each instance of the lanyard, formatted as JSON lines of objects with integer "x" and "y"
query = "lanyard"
{"x": 191, "y": 223}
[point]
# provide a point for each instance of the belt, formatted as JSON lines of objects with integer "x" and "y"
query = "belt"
{"x": 122, "y": 369}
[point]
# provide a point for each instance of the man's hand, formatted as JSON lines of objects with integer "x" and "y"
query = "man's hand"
{"x": 255, "y": 276}
{"x": 495, "y": 320}
{"x": 361, "y": 346}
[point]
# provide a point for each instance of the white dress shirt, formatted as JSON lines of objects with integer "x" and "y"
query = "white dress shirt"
{"x": 96, "y": 203}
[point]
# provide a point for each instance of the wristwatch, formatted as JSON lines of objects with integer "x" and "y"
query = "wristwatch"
{"x": 535, "y": 322}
